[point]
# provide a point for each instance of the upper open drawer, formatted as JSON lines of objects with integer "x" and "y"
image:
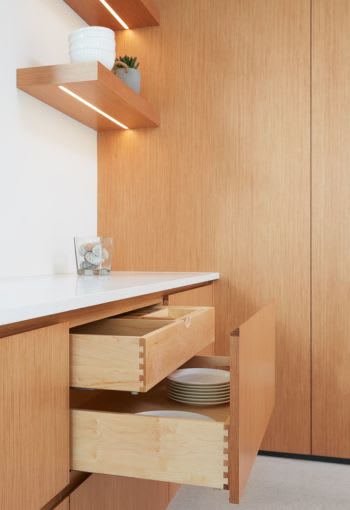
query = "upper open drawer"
{"x": 137, "y": 351}
{"x": 108, "y": 436}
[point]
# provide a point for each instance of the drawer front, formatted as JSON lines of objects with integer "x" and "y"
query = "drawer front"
{"x": 109, "y": 437}
{"x": 134, "y": 353}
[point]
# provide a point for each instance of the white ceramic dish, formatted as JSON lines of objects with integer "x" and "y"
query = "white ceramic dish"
{"x": 86, "y": 32}
{"x": 200, "y": 399}
{"x": 200, "y": 403}
{"x": 106, "y": 58}
{"x": 177, "y": 414}
{"x": 198, "y": 388}
{"x": 92, "y": 42}
{"x": 200, "y": 376}
{"x": 212, "y": 396}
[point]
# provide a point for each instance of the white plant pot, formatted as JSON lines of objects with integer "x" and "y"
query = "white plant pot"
{"x": 132, "y": 78}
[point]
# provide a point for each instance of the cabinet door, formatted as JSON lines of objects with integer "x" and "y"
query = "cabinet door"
{"x": 105, "y": 492}
{"x": 331, "y": 229}
{"x": 34, "y": 417}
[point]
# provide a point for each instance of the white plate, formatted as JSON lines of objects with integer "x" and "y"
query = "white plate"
{"x": 200, "y": 376}
{"x": 209, "y": 400}
{"x": 209, "y": 396}
{"x": 199, "y": 390}
{"x": 197, "y": 403}
{"x": 177, "y": 414}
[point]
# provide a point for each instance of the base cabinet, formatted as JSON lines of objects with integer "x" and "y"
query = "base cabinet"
{"x": 103, "y": 492}
{"x": 110, "y": 437}
{"x": 34, "y": 417}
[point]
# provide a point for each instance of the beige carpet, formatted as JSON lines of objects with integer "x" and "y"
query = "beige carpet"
{"x": 278, "y": 484}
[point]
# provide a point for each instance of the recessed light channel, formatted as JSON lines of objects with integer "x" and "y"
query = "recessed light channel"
{"x": 89, "y": 105}
{"x": 114, "y": 14}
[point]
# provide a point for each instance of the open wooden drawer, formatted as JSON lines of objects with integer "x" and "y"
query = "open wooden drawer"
{"x": 108, "y": 437}
{"x": 135, "y": 352}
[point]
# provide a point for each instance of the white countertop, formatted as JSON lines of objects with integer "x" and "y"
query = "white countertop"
{"x": 32, "y": 297}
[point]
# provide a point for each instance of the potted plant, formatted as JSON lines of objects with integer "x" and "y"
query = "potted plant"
{"x": 127, "y": 69}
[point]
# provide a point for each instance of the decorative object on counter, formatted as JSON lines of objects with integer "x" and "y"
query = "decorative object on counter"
{"x": 93, "y": 255}
{"x": 127, "y": 69}
{"x": 199, "y": 386}
{"x": 177, "y": 414}
{"x": 92, "y": 43}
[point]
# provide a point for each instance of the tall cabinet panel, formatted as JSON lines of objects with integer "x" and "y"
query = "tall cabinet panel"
{"x": 224, "y": 183}
{"x": 331, "y": 228}
{"x": 34, "y": 417}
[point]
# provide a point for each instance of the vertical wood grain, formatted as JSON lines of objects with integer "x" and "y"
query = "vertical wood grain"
{"x": 64, "y": 505}
{"x": 331, "y": 228}
{"x": 203, "y": 296}
{"x": 224, "y": 183}
{"x": 103, "y": 492}
{"x": 34, "y": 417}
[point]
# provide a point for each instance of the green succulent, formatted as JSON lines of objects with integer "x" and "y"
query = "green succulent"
{"x": 131, "y": 62}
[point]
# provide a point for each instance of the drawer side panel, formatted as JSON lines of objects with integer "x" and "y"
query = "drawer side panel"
{"x": 106, "y": 362}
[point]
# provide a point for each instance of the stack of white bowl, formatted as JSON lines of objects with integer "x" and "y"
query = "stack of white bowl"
{"x": 92, "y": 43}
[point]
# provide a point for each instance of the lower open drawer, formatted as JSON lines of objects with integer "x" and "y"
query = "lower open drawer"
{"x": 109, "y": 437}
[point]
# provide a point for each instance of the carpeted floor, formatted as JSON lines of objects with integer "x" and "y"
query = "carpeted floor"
{"x": 278, "y": 484}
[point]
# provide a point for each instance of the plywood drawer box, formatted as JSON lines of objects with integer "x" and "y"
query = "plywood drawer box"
{"x": 109, "y": 437}
{"x": 137, "y": 351}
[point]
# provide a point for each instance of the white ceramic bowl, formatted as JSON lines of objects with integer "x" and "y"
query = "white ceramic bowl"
{"x": 97, "y": 32}
{"x": 94, "y": 43}
{"x": 106, "y": 58}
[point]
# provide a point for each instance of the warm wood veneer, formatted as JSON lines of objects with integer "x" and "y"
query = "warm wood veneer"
{"x": 135, "y": 13}
{"x": 94, "y": 83}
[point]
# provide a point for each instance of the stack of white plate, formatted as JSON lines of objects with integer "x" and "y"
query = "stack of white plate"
{"x": 93, "y": 43}
{"x": 199, "y": 386}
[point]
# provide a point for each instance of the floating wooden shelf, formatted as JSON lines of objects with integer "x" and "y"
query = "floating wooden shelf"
{"x": 96, "y": 85}
{"x": 135, "y": 13}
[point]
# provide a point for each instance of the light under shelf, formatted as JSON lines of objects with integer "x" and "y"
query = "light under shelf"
{"x": 130, "y": 13}
{"x": 89, "y": 93}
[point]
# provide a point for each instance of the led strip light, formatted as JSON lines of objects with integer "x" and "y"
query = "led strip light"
{"x": 86, "y": 103}
{"x": 114, "y": 14}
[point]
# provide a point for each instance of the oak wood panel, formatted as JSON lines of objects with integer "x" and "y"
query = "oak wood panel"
{"x": 331, "y": 232}
{"x": 135, "y": 13}
{"x": 94, "y": 83}
{"x": 64, "y": 505}
{"x": 104, "y": 492}
{"x": 34, "y": 417}
{"x": 223, "y": 184}
{"x": 203, "y": 296}
{"x": 253, "y": 348}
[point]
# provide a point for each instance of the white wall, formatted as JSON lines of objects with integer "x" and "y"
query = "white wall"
{"x": 48, "y": 163}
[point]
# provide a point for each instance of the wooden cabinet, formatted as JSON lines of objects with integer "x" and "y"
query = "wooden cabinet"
{"x": 103, "y": 492}
{"x": 331, "y": 228}
{"x": 34, "y": 417}
{"x": 108, "y": 435}
{"x": 224, "y": 183}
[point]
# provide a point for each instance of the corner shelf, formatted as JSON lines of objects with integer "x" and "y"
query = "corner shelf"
{"x": 135, "y": 13}
{"x": 93, "y": 83}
